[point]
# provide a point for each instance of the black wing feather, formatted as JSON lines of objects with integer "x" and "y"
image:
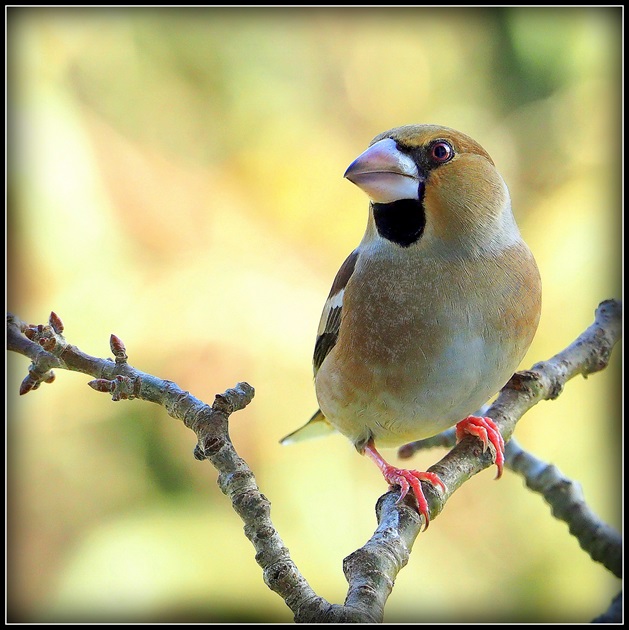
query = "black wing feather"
{"x": 328, "y": 337}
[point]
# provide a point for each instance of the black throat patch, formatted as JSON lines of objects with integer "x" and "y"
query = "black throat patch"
{"x": 401, "y": 222}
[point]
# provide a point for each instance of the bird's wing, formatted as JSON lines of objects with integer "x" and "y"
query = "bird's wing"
{"x": 331, "y": 317}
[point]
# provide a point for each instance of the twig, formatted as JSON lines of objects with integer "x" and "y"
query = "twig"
{"x": 565, "y": 497}
{"x": 613, "y": 614}
{"x": 210, "y": 424}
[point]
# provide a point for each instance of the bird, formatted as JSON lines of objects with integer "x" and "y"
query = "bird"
{"x": 431, "y": 314}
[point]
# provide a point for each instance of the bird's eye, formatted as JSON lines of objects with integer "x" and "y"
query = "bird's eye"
{"x": 441, "y": 151}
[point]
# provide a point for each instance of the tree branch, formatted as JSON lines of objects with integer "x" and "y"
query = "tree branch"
{"x": 565, "y": 497}
{"x": 372, "y": 569}
{"x": 589, "y": 353}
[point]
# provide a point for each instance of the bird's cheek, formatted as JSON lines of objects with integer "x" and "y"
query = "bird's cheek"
{"x": 443, "y": 208}
{"x": 460, "y": 202}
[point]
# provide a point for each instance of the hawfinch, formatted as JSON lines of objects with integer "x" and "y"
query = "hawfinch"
{"x": 433, "y": 311}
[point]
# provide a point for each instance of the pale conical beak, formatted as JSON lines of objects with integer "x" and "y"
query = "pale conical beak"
{"x": 385, "y": 173}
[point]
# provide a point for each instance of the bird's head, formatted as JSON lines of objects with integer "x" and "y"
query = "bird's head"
{"x": 434, "y": 184}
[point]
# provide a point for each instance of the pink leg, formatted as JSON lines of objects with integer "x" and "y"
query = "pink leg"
{"x": 406, "y": 479}
{"x": 487, "y": 432}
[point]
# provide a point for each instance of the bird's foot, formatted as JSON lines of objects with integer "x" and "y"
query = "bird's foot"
{"x": 488, "y": 433}
{"x": 406, "y": 479}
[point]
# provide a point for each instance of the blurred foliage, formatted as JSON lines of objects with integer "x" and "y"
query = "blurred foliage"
{"x": 175, "y": 176}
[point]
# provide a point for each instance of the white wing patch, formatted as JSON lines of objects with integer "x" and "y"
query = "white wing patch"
{"x": 335, "y": 301}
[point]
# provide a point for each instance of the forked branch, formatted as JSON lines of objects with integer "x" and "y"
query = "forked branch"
{"x": 372, "y": 569}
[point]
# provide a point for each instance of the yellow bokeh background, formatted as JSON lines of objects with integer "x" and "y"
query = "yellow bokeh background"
{"x": 175, "y": 177}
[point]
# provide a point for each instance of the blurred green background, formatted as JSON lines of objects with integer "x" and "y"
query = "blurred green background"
{"x": 175, "y": 178}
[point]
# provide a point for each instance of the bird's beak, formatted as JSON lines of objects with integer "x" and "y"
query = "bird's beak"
{"x": 385, "y": 173}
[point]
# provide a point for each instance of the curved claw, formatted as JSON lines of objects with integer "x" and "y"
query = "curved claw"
{"x": 487, "y": 432}
{"x": 406, "y": 479}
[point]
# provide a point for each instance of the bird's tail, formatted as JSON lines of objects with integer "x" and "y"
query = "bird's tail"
{"x": 316, "y": 427}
